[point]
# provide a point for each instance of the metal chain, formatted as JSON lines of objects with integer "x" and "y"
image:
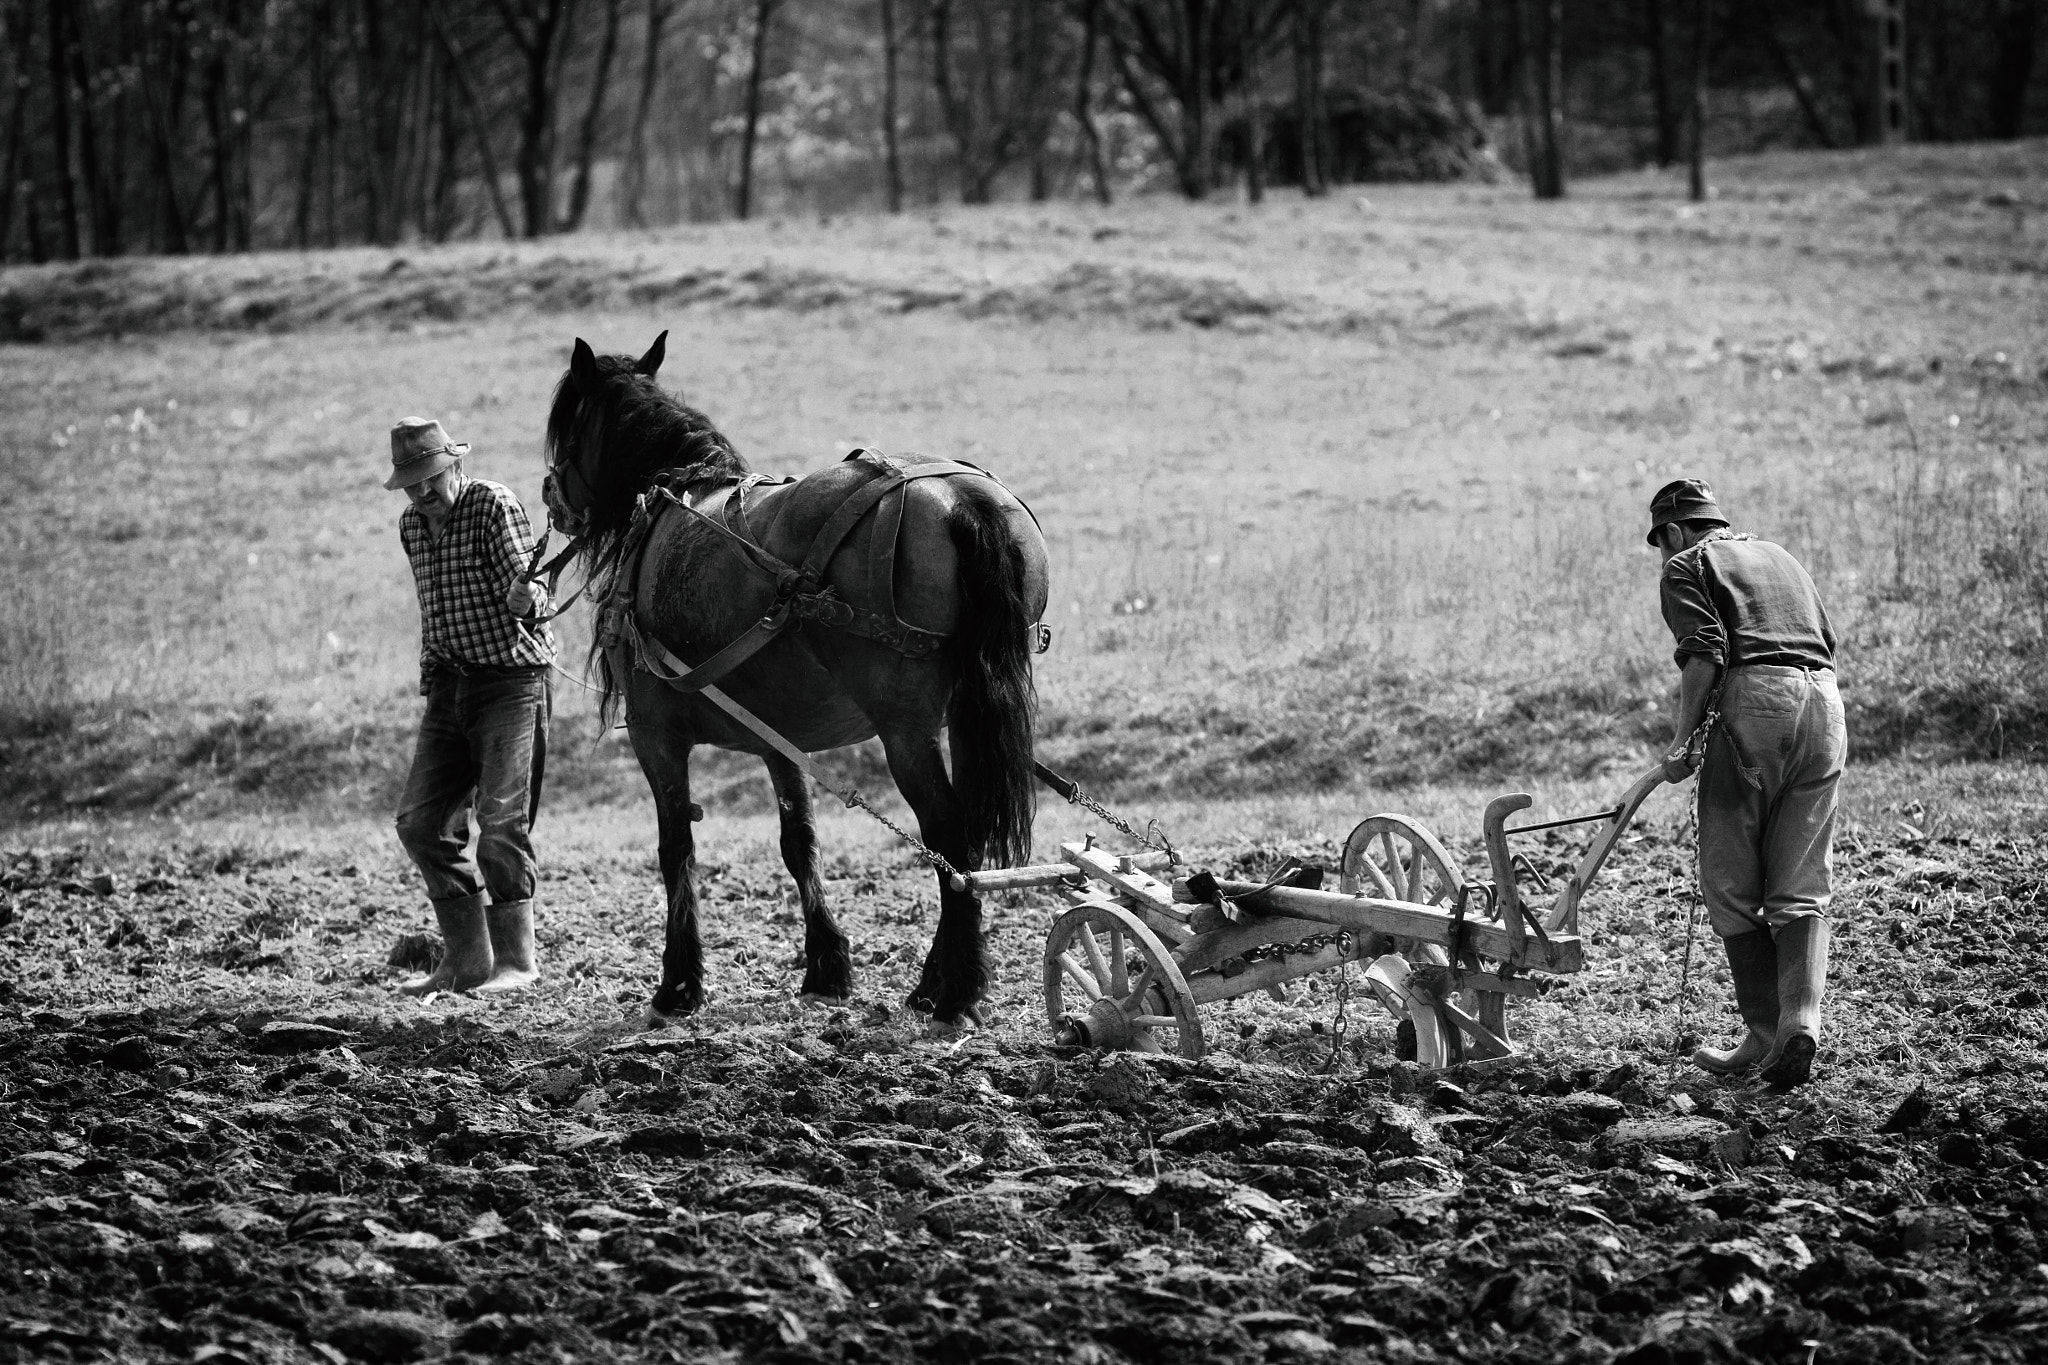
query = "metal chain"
{"x": 1340, "y": 1023}
{"x": 1152, "y": 827}
{"x": 930, "y": 855}
{"x": 1692, "y": 920}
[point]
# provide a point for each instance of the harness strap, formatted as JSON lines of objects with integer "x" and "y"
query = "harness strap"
{"x": 686, "y": 678}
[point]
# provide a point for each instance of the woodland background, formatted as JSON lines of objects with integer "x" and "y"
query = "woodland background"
{"x": 175, "y": 126}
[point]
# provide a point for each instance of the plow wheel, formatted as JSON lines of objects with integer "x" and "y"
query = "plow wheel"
{"x": 1393, "y": 858}
{"x": 1111, "y": 983}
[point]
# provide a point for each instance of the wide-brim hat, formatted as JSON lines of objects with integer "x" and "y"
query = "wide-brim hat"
{"x": 1683, "y": 500}
{"x": 420, "y": 449}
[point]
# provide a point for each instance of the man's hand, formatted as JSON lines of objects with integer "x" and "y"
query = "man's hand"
{"x": 520, "y": 597}
{"x": 1679, "y": 764}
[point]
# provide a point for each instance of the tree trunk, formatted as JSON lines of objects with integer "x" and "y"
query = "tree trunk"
{"x": 539, "y": 47}
{"x": 214, "y": 99}
{"x": 892, "y": 159}
{"x": 764, "y": 11}
{"x": 317, "y": 22}
{"x": 1198, "y": 136}
{"x": 163, "y": 89}
{"x": 479, "y": 129}
{"x": 586, "y": 142}
{"x": 1856, "y": 50}
{"x": 2018, "y": 29}
{"x": 11, "y": 175}
{"x": 1308, "y": 92}
{"x": 1254, "y": 118}
{"x": 1696, "y": 152}
{"x": 633, "y": 175}
{"x": 1802, "y": 88}
{"x": 440, "y": 211}
{"x": 1084, "y": 104}
{"x": 60, "y": 132}
{"x": 1542, "y": 95}
{"x": 1660, "y": 82}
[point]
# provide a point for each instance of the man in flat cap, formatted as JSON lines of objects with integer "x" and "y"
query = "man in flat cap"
{"x": 1754, "y": 645}
{"x": 485, "y": 650}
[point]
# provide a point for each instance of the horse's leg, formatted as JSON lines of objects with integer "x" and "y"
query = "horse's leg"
{"x": 956, "y": 969}
{"x": 665, "y": 758}
{"x": 828, "y": 970}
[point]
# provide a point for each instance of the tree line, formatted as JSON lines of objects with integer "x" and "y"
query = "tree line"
{"x": 175, "y": 126}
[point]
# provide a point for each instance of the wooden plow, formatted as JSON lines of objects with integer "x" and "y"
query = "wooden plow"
{"x": 1132, "y": 961}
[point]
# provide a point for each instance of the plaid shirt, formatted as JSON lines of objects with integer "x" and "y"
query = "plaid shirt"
{"x": 463, "y": 576}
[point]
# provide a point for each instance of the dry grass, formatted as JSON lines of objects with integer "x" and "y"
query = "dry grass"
{"x": 1337, "y": 493}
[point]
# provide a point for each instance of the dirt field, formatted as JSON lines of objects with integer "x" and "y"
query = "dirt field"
{"x": 223, "y": 1138}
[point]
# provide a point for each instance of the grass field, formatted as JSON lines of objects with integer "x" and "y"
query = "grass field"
{"x": 1337, "y": 493}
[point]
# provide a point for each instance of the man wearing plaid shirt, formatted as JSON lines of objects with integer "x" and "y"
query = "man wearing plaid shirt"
{"x": 485, "y": 650}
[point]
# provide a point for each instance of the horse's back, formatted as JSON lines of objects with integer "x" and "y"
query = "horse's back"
{"x": 898, "y": 564}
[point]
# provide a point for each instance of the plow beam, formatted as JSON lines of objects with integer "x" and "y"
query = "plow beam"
{"x": 1403, "y": 919}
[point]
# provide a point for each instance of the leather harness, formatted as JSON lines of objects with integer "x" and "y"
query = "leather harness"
{"x": 798, "y": 595}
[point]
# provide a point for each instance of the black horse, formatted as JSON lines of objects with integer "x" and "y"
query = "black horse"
{"x": 919, "y": 618}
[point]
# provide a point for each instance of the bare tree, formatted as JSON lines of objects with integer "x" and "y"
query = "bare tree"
{"x": 586, "y": 142}
{"x": 764, "y": 14}
{"x": 1306, "y": 29}
{"x": 1084, "y": 104}
{"x": 1802, "y": 85}
{"x": 15, "y": 20}
{"x": 1663, "y": 105}
{"x": 480, "y": 130}
{"x": 633, "y": 173}
{"x": 1696, "y": 152}
{"x": 1254, "y": 117}
{"x": 1181, "y": 62}
{"x": 1002, "y": 110}
{"x": 1543, "y": 93}
{"x": 2017, "y": 25}
{"x": 892, "y": 158}
{"x": 60, "y": 130}
{"x": 540, "y": 30}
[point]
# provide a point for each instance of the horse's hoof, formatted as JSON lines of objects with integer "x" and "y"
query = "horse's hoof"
{"x": 952, "y": 1026}
{"x": 652, "y": 1019}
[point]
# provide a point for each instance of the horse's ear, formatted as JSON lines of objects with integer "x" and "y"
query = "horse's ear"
{"x": 583, "y": 363}
{"x": 651, "y": 362}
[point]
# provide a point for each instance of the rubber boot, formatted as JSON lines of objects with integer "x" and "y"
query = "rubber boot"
{"x": 1753, "y": 963}
{"x": 1802, "y": 981}
{"x": 465, "y": 948}
{"x": 511, "y": 924}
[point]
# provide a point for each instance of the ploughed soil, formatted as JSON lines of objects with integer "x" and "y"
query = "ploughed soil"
{"x": 223, "y": 1138}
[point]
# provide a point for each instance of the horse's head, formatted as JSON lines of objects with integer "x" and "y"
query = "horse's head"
{"x": 582, "y": 487}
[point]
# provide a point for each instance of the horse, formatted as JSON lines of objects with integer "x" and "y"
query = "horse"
{"x": 921, "y": 617}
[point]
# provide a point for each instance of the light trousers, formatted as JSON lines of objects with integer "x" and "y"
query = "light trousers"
{"x": 1767, "y": 798}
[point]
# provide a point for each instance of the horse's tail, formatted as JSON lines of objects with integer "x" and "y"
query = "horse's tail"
{"x": 995, "y": 703}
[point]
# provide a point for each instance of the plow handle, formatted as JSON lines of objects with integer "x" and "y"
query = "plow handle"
{"x": 1510, "y": 898}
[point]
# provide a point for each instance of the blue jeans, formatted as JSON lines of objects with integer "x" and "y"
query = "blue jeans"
{"x": 482, "y": 748}
{"x": 1767, "y": 798}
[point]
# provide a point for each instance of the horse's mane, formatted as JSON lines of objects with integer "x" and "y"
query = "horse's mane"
{"x": 622, "y": 430}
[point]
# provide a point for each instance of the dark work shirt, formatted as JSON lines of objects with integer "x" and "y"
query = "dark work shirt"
{"x": 1738, "y": 601}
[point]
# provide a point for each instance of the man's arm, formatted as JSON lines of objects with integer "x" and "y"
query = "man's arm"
{"x": 509, "y": 552}
{"x": 1695, "y": 685}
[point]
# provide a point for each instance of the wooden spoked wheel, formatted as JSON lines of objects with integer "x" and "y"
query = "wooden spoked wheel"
{"x": 1110, "y": 982}
{"x": 1396, "y": 859}
{"x": 1392, "y": 857}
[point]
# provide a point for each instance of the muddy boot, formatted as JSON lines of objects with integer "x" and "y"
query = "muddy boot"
{"x": 465, "y": 948}
{"x": 512, "y": 945}
{"x": 1753, "y": 963}
{"x": 1802, "y": 980}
